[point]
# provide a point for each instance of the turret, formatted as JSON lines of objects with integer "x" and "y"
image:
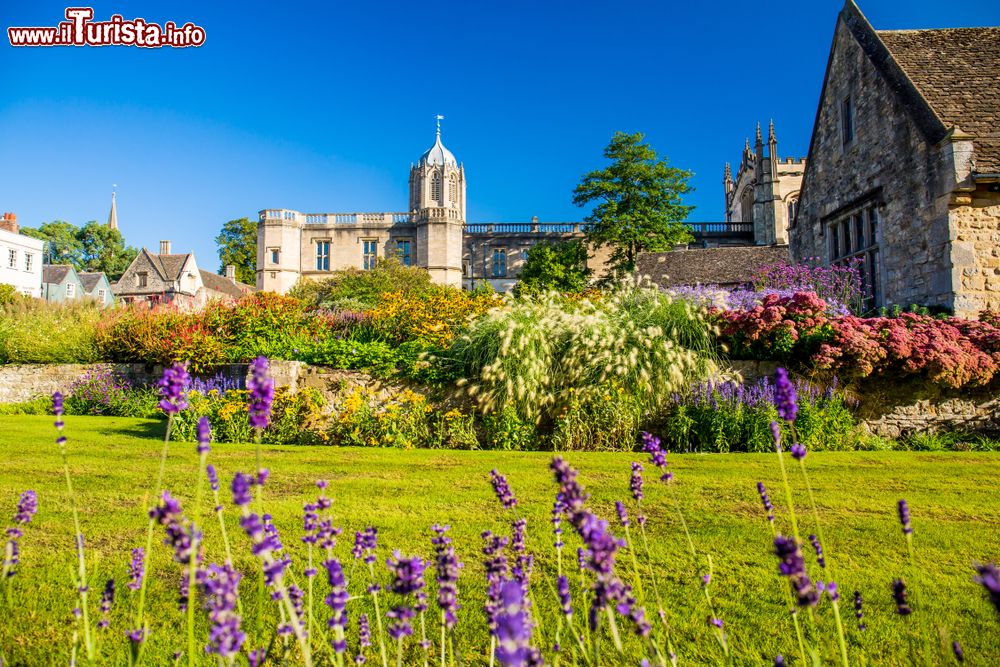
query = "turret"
{"x": 772, "y": 151}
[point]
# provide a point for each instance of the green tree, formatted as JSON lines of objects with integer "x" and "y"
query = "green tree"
{"x": 63, "y": 241}
{"x": 638, "y": 202}
{"x": 104, "y": 249}
{"x": 238, "y": 246}
{"x": 558, "y": 266}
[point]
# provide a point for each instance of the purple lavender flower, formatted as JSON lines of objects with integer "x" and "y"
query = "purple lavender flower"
{"x": 136, "y": 637}
{"x": 220, "y": 584}
{"x": 107, "y": 599}
{"x": 173, "y": 388}
{"x": 364, "y": 638}
{"x": 57, "y": 407}
{"x": 261, "y": 393}
{"x": 502, "y": 489}
{"x": 622, "y": 513}
{"x": 833, "y": 591}
{"x": 257, "y": 657}
{"x": 904, "y": 517}
{"x": 989, "y": 578}
{"x": 180, "y": 536}
{"x": 365, "y": 544}
{"x": 635, "y": 481}
{"x": 581, "y": 558}
{"x": 651, "y": 445}
{"x": 784, "y": 396}
{"x": 203, "y": 435}
{"x": 779, "y": 661}
{"x": 859, "y": 612}
{"x": 628, "y": 608}
{"x": 776, "y": 434}
{"x": 136, "y": 569}
{"x": 565, "y": 602}
{"x": 213, "y": 477}
{"x": 956, "y": 648}
{"x": 241, "y": 489}
{"x": 557, "y": 510}
{"x": 337, "y": 602}
{"x": 513, "y": 627}
{"x": 792, "y": 565}
{"x": 766, "y": 500}
{"x": 818, "y": 548}
{"x": 447, "y": 568}
{"x": 27, "y": 505}
{"x": 798, "y": 451}
{"x": 407, "y": 579}
{"x": 899, "y": 597}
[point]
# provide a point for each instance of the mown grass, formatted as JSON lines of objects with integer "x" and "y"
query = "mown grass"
{"x": 953, "y": 497}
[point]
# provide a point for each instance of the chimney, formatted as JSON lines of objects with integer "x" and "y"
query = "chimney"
{"x": 231, "y": 272}
{"x": 164, "y": 247}
{"x": 9, "y": 223}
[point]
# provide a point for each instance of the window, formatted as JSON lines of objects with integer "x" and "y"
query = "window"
{"x": 101, "y": 294}
{"x": 322, "y": 255}
{"x": 746, "y": 205}
{"x": 499, "y": 263}
{"x": 143, "y": 279}
{"x": 453, "y": 190}
{"x": 436, "y": 188}
{"x": 370, "y": 255}
{"x": 793, "y": 208}
{"x": 12, "y": 259}
{"x": 847, "y": 120}
{"x": 854, "y": 244}
{"x": 29, "y": 261}
{"x": 70, "y": 290}
{"x": 275, "y": 256}
{"x": 403, "y": 250}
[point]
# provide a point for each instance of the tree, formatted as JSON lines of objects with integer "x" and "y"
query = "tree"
{"x": 238, "y": 246}
{"x": 558, "y": 266}
{"x": 638, "y": 202}
{"x": 63, "y": 243}
{"x": 104, "y": 249}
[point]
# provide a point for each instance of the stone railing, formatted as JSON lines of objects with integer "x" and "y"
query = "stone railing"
{"x": 527, "y": 228}
{"x": 390, "y": 218}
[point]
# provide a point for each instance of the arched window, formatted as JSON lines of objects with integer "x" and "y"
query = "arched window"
{"x": 453, "y": 190}
{"x": 793, "y": 208}
{"x": 436, "y": 188}
{"x": 746, "y": 205}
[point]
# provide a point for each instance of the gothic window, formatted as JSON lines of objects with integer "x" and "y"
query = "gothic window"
{"x": 436, "y": 188}
{"x": 499, "y": 263}
{"x": 793, "y": 208}
{"x": 847, "y": 120}
{"x": 322, "y": 255}
{"x": 854, "y": 244}
{"x": 370, "y": 252}
{"x": 453, "y": 190}
{"x": 746, "y": 205}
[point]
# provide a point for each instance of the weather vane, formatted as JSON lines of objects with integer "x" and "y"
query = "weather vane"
{"x": 439, "y": 118}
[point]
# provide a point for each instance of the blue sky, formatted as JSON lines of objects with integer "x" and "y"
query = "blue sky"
{"x": 322, "y": 107}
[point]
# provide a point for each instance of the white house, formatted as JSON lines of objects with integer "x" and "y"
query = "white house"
{"x": 20, "y": 258}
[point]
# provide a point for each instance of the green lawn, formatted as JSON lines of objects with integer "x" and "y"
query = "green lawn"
{"x": 953, "y": 496}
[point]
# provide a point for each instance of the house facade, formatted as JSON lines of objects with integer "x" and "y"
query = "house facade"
{"x": 97, "y": 287}
{"x": 903, "y": 173}
{"x": 61, "y": 282}
{"x": 21, "y": 258}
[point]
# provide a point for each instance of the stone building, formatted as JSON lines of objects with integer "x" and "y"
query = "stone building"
{"x": 20, "y": 258}
{"x": 765, "y": 193}
{"x": 167, "y": 278}
{"x": 903, "y": 174}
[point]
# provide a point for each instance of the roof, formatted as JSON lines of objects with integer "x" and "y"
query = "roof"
{"x": 55, "y": 273}
{"x": 727, "y": 266}
{"x": 170, "y": 266}
{"x": 438, "y": 154}
{"x": 223, "y": 285}
{"x": 955, "y": 70}
{"x": 90, "y": 280}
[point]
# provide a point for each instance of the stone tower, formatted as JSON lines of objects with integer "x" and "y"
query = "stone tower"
{"x": 437, "y": 208}
{"x": 279, "y": 251}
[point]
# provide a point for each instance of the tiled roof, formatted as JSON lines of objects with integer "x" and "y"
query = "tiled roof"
{"x": 90, "y": 280}
{"x": 170, "y": 265}
{"x": 708, "y": 266}
{"x": 957, "y": 72}
{"x": 55, "y": 273}
{"x": 223, "y": 285}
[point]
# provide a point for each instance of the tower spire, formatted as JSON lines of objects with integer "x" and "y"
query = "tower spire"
{"x": 760, "y": 139}
{"x": 770, "y": 133}
{"x": 113, "y": 215}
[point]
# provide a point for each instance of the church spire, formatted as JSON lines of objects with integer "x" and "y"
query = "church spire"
{"x": 113, "y": 215}
{"x": 770, "y": 133}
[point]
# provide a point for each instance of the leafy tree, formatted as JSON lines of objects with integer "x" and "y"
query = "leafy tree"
{"x": 558, "y": 266}
{"x": 638, "y": 200}
{"x": 64, "y": 245}
{"x": 355, "y": 288}
{"x": 104, "y": 249}
{"x": 238, "y": 246}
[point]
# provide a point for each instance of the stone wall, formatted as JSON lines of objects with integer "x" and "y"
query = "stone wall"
{"x": 975, "y": 224}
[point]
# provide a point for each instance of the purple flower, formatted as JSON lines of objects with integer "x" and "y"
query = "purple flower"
{"x": 365, "y": 544}
{"x": 513, "y": 627}
{"x": 635, "y": 481}
{"x": 956, "y": 648}
{"x": 447, "y": 568}
{"x": 904, "y": 517}
{"x": 859, "y": 611}
{"x": 136, "y": 569}
{"x": 107, "y": 599}
{"x": 220, "y": 584}
{"x": 989, "y": 578}
{"x": 557, "y": 510}
{"x": 784, "y": 396}
{"x": 899, "y": 597}
{"x": 337, "y": 602}
{"x": 203, "y": 435}
{"x": 818, "y": 548}
{"x": 27, "y": 505}
{"x": 798, "y": 451}
{"x": 173, "y": 388}
{"x": 57, "y": 407}
{"x": 136, "y": 637}
{"x": 181, "y": 536}
{"x": 779, "y": 661}
{"x": 213, "y": 477}
{"x": 241, "y": 489}
{"x": 628, "y": 608}
{"x": 364, "y": 638}
{"x": 622, "y": 513}
{"x": 833, "y": 591}
{"x": 562, "y": 588}
{"x": 651, "y": 445}
{"x": 407, "y": 579}
{"x": 257, "y": 657}
{"x": 776, "y": 434}
{"x": 261, "y": 393}
{"x": 766, "y": 500}
{"x": 502, "y": 489}
{"x": 495, "y": 564}
{"x": 792, "y": 565}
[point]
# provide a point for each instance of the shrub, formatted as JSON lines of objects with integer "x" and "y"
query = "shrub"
{"x": 505, "y": 430}
{"x": 781, "y": 327}
{"x": 33, "y": 331}
{"x": 353, "y": 287}
{"x": 839, "y": 286}
{"x": 434, "y": 318}
{"x": 296, "y": 418}
{"x": 101, "y": 392}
